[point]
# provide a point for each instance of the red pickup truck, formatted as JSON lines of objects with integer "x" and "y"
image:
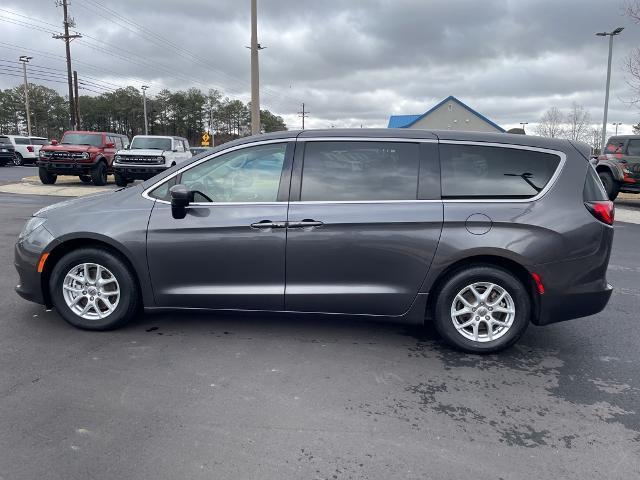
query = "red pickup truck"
{"x": 88, "y": 155}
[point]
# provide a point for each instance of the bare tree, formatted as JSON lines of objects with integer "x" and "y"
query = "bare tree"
{"x": 551, "y": 124}
{"x": 594, "y": 139}
{"x": 578, "y": 123}
{"x": 632, "y": 61}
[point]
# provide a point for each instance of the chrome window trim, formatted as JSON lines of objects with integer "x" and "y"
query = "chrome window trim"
{"x": 539, "y": 195}
{"x": 145, "y": 194}
{"x": 548, "y": 186}
{"x": 367, "y": 139}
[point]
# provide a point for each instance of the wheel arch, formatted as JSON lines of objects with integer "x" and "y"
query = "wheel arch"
{"x": 607, "y": 167}
{"x": 508, "y": 264}
{"x": 68, "y": 245}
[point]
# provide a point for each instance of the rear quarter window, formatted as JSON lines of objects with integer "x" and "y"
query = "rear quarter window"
{"x": 472, "y": 171}
{"x": 22, "y": 141}
{"x": 593, "y": 188}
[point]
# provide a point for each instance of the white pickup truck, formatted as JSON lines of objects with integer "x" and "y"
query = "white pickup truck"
{"x": 147, "y": 156}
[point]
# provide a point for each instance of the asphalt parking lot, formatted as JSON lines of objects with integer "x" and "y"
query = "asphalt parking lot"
{"x": 267, "y": 396}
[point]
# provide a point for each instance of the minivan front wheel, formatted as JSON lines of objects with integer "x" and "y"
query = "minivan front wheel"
{"x": 93, "y": 289}
{"x": 482, "y": 309}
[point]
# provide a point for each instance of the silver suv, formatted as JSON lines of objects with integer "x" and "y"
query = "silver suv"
{"x": 149, "y": 155}
{"x": 479, "y": 233}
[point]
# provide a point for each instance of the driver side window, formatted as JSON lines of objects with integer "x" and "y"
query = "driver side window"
{"x": 249, "y": 174}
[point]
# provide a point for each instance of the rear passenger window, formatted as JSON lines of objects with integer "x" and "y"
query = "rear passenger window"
{"x": 471, "y": 171}
{"x": 22, "y": 141}
{"x": 633, "y": 148}
{"x": 351, "y": 171}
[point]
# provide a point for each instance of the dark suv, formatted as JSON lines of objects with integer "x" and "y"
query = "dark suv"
{"x": 619, "y": 165}
{"x": 7, "y": 151}
{"x": 479, "y": 233}
{"x": 88, "y": 155}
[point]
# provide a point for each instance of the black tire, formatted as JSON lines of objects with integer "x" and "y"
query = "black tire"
{"x": 456, "y": 282}
{"x": 610, "y": 185}
{"x": 99, "y": 174}
{"x": 47, "y": 177}
{"x": 18, "y": 161}
{"x": 85, "y": 178}
{"x": 121, "y": 180}
{"x": 128, "y": 303}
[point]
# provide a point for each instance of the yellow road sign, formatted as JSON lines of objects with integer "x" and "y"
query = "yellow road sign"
{"x": 205, "y": 137}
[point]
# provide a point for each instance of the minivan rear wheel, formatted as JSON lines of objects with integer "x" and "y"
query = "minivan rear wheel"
{"x": 93, "y": 289}
{"x": 482, "y": 309}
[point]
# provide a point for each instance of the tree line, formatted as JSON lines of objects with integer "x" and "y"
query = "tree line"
{"x": 574, "y": 124}
{"x": 185, "y": 113}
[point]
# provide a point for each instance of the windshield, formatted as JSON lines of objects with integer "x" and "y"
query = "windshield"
{"x": 93, "y": 139}
{"x": 156, "y": 143}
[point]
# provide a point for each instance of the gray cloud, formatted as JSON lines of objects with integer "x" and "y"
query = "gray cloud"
{"x": 352, "y": 62}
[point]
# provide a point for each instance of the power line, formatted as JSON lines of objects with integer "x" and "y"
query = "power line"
{"x": 182, "y": 52}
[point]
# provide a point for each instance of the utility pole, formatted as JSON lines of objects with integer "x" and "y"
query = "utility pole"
{"x": 67, "y": 39}
{"x": 612, "y": 34}
{"x": 255, "y": 75}
{"x": 77, "y": 99}
{"x": 24, "y": 59}
{"x": 523, "y": 124}
{"x": 304, "y": 114}
{"x": 144, "y": 107}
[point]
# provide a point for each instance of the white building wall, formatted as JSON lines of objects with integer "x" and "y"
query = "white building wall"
{"x": 452, "y": 116}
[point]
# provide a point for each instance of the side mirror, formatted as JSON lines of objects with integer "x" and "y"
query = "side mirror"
{"x": 54, "y": 142}
{"x": 127, "y": 147}
{"x": 174, "y": 150}
{"x": 180, "y": 198}
{"x": 110, "y": 145}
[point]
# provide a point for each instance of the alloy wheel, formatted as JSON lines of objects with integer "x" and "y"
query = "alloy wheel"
{"x": 483, "y": 312}
{"x": 91, "y": 291}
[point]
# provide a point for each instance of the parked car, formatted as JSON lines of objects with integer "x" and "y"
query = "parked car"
{"x": 149, "y": 155}
{"x": 88, "y": 155}
{"x": 198, "y": 150}
{"x": 619, "y": 165}
{"x": 479, "y": 233}
{"x": 7, "y": 151}
{"x": 27, "y": 148}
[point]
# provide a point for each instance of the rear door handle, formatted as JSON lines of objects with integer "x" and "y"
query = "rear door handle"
{"x": 307, "y": 222}
{"x": 268, "y": 224}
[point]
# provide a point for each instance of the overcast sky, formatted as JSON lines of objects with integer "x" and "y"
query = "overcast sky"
{"x": 352, "y": 62}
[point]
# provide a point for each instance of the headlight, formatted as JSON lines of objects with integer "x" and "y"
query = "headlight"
{"x": 31, "y": 225}
{"x": 44, "y": 153}
{"x": 117, "y": 158}
{"x": 160, "y": 159}
{"x": 86, "y": 155}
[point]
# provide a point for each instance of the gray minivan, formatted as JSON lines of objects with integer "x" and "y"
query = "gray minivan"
{"x": 479, "y": 233}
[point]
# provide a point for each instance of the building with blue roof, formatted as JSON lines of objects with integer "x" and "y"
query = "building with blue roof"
{"x": 449, "y": 114}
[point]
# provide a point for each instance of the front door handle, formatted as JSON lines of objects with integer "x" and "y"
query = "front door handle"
{"x": 268, "y": 224}
{"x": 307, "y": 222}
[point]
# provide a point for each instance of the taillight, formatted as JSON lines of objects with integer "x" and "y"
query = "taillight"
{"x": 602, "y": 210}
{"x": 30, "y": 148}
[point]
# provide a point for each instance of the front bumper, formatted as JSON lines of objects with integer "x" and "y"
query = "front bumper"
{"x": 66, "y": 168}
{"x": 139, "y": 172}
{"x": 6, "y": 157}
{"x": 27, "y": 253}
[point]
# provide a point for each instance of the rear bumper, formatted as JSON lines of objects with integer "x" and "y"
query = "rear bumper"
{"x": 139, "y": 172}
{"x": 561, "y": 307}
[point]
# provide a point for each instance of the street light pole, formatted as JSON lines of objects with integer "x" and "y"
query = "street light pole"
{"x": 616, "y": 124}
{"x": 255, "y": 75}
{"x": 24, "y": 59}
{"x": 144, "y": 107}
{"x": 612, "y": 34}
{"x": 523, "y": 124}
